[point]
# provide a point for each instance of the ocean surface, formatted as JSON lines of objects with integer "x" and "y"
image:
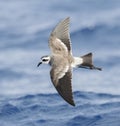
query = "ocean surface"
{"x": 27, "y": 96}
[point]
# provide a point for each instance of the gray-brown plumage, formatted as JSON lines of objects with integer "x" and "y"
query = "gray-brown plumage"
{"x": 62, "y": 61}
{"x": 61, "y": 31}
{"x": 60, "y": 73}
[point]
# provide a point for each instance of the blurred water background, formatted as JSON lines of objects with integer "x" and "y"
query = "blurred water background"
{"x": 27, "y": 96}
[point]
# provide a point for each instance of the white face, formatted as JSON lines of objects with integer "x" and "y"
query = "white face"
{"x": 45, "y": 59}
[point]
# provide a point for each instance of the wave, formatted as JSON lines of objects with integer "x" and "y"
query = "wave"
{"x": 84, "y": 121}
{"x": 45, "y": 109}
{"x": 98, "y": 29}
{"x": 9, "y": 110}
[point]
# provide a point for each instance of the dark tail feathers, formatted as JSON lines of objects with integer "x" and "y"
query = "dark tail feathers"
{"x": 88, "y": 63}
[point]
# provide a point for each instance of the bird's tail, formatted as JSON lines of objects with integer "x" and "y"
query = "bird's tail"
{"x": 88, "y": 63}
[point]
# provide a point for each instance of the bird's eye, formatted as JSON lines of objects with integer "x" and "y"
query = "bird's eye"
{"x": 44, "y": 60}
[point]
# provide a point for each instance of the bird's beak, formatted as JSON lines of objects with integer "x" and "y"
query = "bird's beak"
{"x": 39, "y": 64}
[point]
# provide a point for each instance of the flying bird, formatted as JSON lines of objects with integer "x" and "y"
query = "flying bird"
{"x": 62, "y": 61}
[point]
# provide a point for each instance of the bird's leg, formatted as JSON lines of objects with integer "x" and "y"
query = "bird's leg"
{"x": 96, "y": 68}
{"x": 91, "y": 67}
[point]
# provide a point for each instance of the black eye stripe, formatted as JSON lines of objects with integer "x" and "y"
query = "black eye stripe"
{"x": 45, "y": 60}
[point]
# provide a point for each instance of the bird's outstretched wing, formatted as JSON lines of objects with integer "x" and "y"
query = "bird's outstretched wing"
{"x": 62, "y": 81}
{"x": 60, "y": 39}
{"x": 60, "y": 73}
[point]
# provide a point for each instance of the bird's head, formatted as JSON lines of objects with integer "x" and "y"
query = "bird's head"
{"x": 44, "y": 60}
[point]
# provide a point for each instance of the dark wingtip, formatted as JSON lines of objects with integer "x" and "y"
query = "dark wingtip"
{"x": 67, "y": 98}
{"x": 73, "y": 104}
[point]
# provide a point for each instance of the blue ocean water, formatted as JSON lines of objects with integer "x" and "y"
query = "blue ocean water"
{"x": 27, "y": 96}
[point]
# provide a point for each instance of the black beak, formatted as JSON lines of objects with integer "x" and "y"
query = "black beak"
{"x": 39, "y": 64}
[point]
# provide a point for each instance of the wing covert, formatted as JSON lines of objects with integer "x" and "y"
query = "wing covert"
{"x": 61, "y": 32}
